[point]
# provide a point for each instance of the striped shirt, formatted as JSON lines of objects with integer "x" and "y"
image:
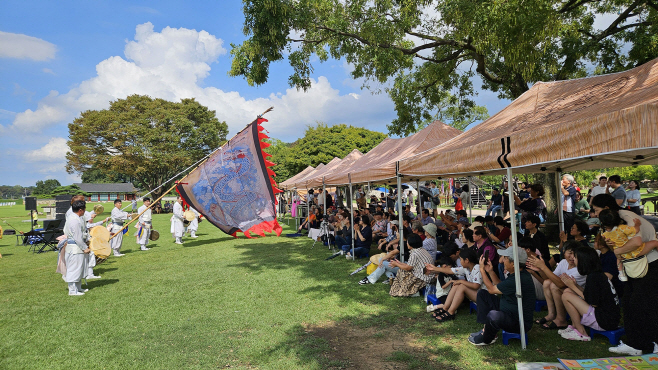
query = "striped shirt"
{"x": 417, "y": 259}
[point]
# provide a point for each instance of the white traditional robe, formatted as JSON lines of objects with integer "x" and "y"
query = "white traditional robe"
{"x": 118, "y": 217}
{"x": 177, "y": 227}
{"x": 144, "y": 226}
{"x": 194, "y": 224}
{"x": 75, "y": 261}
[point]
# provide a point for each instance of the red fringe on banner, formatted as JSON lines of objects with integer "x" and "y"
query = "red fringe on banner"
{"x": 266, "y": 226}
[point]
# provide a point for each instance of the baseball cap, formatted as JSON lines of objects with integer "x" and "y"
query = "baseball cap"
{"x": 463, "y": 220}
{"x": 395, "y": 222}
{"x": 452, "y": 214}
{"x": 509, "y": 252}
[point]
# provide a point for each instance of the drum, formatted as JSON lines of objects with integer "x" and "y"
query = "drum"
{"x": 189, "y": 216}
{"x": 154, "y": 235}
{"x": 98, "y": 209}
{"x": 100, "y": 243}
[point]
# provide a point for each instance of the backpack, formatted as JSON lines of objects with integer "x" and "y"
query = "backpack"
{"x": 436, "y": 200}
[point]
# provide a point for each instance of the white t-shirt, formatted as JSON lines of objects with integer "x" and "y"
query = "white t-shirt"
{"x": 563, "y": 268}
{"x": 472, "y": 276}
{"x": 597, "y": 190}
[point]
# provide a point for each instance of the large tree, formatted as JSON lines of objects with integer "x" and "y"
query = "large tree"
{"x": 320, "y": 144}
{"x": 149, "y": 140}
{"x": 430, "y": 52}
{"x": 46, "y": 187}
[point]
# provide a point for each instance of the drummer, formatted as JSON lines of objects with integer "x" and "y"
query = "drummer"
{"x": 194, "y": 224}
{"x": 88, "y": 217}
{"x": 118, "y": 217}
{"x": 73, "y": 263}
{"x": 177, "y": 228}
{"x": 144, "y": 224}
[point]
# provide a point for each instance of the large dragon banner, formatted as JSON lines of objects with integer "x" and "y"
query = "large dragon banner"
{"x": 233, "y": 189}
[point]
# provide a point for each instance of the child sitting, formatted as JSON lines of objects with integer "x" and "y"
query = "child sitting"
{"x": 620, "y": 234}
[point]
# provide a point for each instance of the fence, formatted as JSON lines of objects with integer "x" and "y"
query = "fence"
{"x": 8, "y": 204}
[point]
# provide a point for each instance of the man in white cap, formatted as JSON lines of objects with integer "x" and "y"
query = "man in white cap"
{"x": 144, "y": 224}
{"x": 501, "y": 313}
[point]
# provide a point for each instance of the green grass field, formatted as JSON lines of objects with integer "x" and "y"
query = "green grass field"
{"x": 219, "y": 302}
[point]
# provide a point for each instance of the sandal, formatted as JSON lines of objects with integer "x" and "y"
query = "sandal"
{"x": 446, "y": 316}
{"x": 553, "y": 326}
{"x": 438, "y": 312}
{"x": 541, "y": 321}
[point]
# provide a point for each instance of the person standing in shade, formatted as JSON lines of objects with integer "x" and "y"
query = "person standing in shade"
{"x": 599, "y": 189}
{"x": 133, "y": 203}
{"x": 177, "y": 227}
{"x": 72, "y": 262}
{"x": 144, "y": 224}
{"x": 194, "y": 224}
{"x": 568, "y": 197}
{"x": 118, "y": 217}
{"x": 633, "y": 197}
{"x": 617, "y": 191}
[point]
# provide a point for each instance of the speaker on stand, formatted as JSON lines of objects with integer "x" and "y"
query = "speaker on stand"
{"x": 31, "y": 205}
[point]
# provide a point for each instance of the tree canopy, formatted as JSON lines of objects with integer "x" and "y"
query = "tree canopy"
{"x": 320, "y": 144}
{"x": 430, "y": 52}
{"x": 46, "y": 187}
{"x": 148, "y": 140}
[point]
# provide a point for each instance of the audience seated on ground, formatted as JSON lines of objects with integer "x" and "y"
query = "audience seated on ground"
{"x": 554, "y": 286}
{"x": 537, "y": 279}
{"x": 417, "y": 228}
{"x": 379, "y": 227}
{"x": 410, "y": 277}
{"x": 425, "y": 217}
{"x": 498, "y": 305}
{"x": 310, "y": 220}
{"x": 386, "y": 244}
{"x": 343, "y": 230}
{"x": 579, "y": 232}
{"x": 429, "y": 243}
{"x": 483, "y": 245}
{"x": 466, "y": 240}
{"x": 460, "y": 288}
{"x": 500, "y": 237}
{"x": 596, "y": 305}
{"x": 384, "y": 266}
{"x": 541, "y": 242}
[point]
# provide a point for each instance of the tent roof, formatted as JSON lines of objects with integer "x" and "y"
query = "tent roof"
{"x": 288, "y": 184}
{"x": 380, "y": 163}
{"x": 331, "y": 166}
{"x": 301, "y": 181}
{"x": 595, "y": 122}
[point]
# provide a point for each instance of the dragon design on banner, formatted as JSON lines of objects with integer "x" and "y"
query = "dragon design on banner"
{"x": 234, "y": 189}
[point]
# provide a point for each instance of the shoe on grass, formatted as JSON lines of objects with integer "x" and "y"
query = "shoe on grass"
{"x": 625, "y": 349}
{"x": 387, "y": 282}
{"x": 575, "y": 335}
{"x": 568, "y": 329}
{"x": 417, "y": 294}
{"x": 364, "y": 281}
{"x": 93, "y": 277}
{"x": 478, "y": 340}
{"x": 476, "y": 333}
{"x": 76, "y": 293}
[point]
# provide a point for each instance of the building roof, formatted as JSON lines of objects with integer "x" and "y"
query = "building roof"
{"x": 108, "y": 188}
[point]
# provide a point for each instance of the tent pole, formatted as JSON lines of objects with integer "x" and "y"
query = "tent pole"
{"x": 417, "y": 196}
{"x": 470, "y": 201}
{"x": 400, "y": 211}
{"x": 349, "y": 177}
{"x": 560, "y": 214}
{"x": 515, "y": 245}
{"x": 324, "y": 196}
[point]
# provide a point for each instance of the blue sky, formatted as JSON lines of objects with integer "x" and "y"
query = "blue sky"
{"x": 60, "y": 58}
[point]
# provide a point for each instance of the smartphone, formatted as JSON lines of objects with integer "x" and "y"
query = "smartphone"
{"x": 486, "y": 257}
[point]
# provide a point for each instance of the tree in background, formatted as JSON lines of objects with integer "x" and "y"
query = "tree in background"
{"x": 15, "y": 192}
{"x": 68, "y": 190}
{"x": 148, "y": 140}
{"x": 434, "y": 51}
{"x": 320, "y": 144}
{"x": 46, "y": 187}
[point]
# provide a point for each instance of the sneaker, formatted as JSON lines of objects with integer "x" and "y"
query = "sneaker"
{"x": 431, "y": 308}
{"x": 178, "y": 243}
{"x": 145, "y": 249}
{"x": 119, "y": 254}
{"x": 342, "y": 253}
{"x": 84, "y": 290}
{"x": 568, "y": 329}
{"x": 76, "y": 293}
{"x": 194, "y": 237}
{"x": 622, "y": 276}
{"x": 476, "y": 333}
{"x": 364, "y": 281}
{"x": 655, "y": 347}
{"x": 348, "y": 256}
{"x": 93, "y": 277}
{"x": 387, "y": 282}
{"x": 417, "y": 294}
{"x": 478, "y": 340}
{"x": 575, "y": 335}
{"x": 625, "y": 349}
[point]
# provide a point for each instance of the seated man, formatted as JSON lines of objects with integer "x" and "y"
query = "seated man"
{"x": 426, "y": 218}
{"x": 417, "y": 228}
{"x": 502, "y": 313}
{"x": 410, "y": 278}
{"x": 495, "y": 204}
{"x": 460, "y": 288}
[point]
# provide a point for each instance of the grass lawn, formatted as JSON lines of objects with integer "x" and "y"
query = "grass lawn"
{"x": 219, "y": 302}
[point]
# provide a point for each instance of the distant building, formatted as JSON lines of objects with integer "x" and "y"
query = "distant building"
{"x": 109, "y": 192}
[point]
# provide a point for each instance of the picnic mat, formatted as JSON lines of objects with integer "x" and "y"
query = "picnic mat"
{"x": 649, "y": 361}
{"x": 539, "y": 366}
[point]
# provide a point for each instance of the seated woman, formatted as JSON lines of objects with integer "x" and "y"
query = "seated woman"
{"x": 596, "y": 305}
{"x": 502, "y": 234}
{"x": 343, "y": 230}
{"x": 362, "y": 238}
{"x": 460, "y": 288}
{"x": 385, "y": 244}
{"x": 308, "y": 221}
{"x": 579, "y": 232}
{"x": 406, "y": 223}
{"x": 483, "y": 244}
{"x": 537, "y": 279}
{"x": 411, "y": 278}
{"x": 554, "y": 286}
{"x": 385, "y": 267}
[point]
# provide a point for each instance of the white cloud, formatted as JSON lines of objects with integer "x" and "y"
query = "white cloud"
{"x": 172, "y": 65}
{"x": 49, "y": 71}
{"x": 19, "y": 46}
{"x": 53, "y": 152}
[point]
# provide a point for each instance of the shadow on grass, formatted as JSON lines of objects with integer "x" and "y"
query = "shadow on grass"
{"x": 97, "y": 283}
{"x": 102, "y": 269}
{"x": 201, "y": 242}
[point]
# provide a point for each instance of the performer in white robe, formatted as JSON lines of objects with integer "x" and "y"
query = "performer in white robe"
{"x": 194, "y": 224}
{"x": 73, "y": 261}
{"x": 144, "y": 225}
{"x": 88, "y": 217}
{"x": 177, "y": 228}
{"x": 118, "y": 217}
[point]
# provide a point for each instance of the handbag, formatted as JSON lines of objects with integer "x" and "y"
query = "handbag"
{"x": 636, "y": 267}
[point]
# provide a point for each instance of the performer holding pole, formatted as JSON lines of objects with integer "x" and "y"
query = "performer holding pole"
{"x": 144, "y": 224}
{"x": 177, "y": 227}
{"x": 118, "y": 217}
{"x": 88, "y": 217}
